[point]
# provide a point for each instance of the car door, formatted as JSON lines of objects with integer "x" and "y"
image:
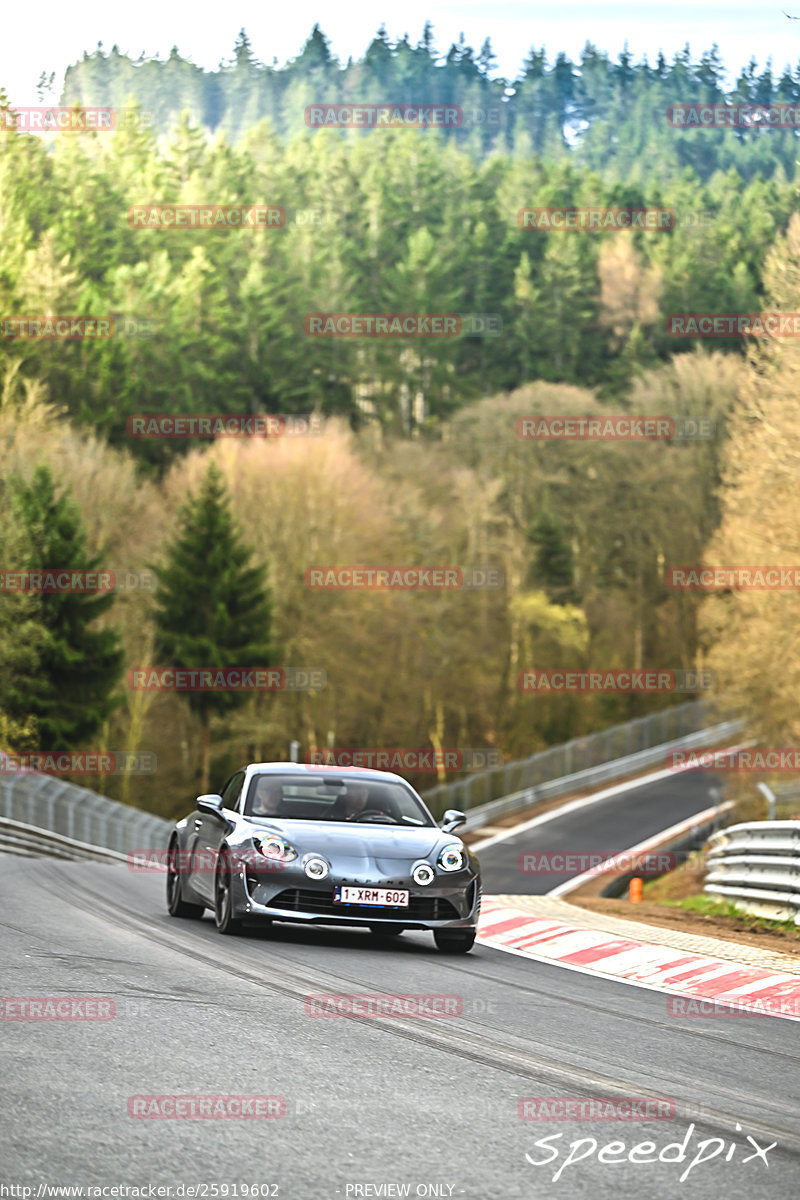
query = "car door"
{"x": 208, "y": 834}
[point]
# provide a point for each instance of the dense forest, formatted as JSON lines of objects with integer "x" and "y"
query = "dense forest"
{"x": 604, "y": 115}
{"x": 415, "y": 456}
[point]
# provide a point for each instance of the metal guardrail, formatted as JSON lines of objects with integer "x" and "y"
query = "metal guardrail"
{"x": 618, "y": 768}
{"x": 570, "y": 759}
{"x": 77, "y": 814}
{"x": 81, "y": 816}
{"x": 757, "y": 866}
{"x": 30, "y": 842}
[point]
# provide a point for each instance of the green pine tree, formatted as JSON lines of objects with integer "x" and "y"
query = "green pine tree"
{"x": 71, "y": 693}
{"x": 553, "y": 566}
{"x": 213, "y": 609}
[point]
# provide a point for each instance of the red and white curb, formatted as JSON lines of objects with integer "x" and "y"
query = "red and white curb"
{"x": 740, "y": 988}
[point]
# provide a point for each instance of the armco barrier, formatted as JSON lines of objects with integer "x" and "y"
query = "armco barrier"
{"x": 78, "y": 815}
{"x": 575, "y": 758}
{"x": 81, "y": 816}
{"x": 29, "y": 842}
{"x": 592, "y": 777}
{"x": 757, "y": 866}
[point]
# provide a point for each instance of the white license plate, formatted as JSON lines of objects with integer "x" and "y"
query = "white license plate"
{"x": 376, "y": 897}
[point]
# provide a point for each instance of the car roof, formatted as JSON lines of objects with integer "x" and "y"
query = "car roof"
{"x": 321, "y": 768}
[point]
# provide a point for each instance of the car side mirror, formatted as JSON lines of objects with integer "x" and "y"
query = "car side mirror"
{"x": 452, "y": 820}
{"x": 211, "y": 804}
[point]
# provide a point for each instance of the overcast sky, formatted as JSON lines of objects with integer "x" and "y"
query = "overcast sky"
{"x": 50, "y": 36}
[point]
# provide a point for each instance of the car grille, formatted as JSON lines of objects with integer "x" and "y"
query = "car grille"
{"x": 420, "y": 908}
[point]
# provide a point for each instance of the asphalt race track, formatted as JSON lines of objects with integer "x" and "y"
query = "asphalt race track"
{"x": 374, "y": 1106}
{"x": 606, "y": 827}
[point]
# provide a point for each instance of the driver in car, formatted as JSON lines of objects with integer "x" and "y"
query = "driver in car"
{"x": 267, "y": 800}
{"x": 350, "y": 806}
{"x": 355, "y": 801}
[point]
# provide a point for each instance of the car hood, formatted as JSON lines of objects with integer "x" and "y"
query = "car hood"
{"x": 340, "y": 840}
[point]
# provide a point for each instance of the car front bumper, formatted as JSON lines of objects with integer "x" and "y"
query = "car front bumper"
{"x": 295, "y": 897}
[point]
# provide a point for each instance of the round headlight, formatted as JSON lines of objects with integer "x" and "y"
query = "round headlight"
{"x": 272, "y": 846}
{"x": 315, "y": 868}
{"x": 452, "y": 858}
{"x": 423, "y": 874}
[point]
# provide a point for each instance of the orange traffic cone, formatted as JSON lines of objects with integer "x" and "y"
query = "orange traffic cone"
{"x": 635, "y": 891}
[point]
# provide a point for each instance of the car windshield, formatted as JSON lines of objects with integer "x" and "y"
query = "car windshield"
{"x": 330, "y": 798}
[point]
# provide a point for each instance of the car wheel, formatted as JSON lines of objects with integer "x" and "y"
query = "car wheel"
{"x": 176, "y": 905}
{"x": 454, "y": 941}
{"x": 223, "y": 902}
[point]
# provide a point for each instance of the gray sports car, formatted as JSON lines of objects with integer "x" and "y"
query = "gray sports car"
{"x": 288, "y": 842}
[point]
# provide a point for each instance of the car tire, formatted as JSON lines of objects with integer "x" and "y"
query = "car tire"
{"x": 454, "y": 941}
{"x": 223, "y": 902}
{"x": 176, "y": 905}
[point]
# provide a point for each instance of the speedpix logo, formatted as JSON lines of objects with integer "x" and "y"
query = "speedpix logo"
{"x": 644, "y": 1153}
